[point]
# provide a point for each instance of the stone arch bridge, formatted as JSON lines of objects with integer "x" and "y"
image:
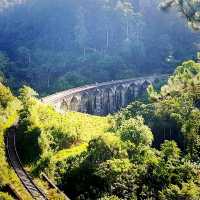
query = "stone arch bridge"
{"x": 101, "y": 98}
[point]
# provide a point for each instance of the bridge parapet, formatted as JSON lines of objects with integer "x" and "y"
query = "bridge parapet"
{"x": 101, "y": 98}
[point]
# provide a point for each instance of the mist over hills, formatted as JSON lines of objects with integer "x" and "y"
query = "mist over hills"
{"x": 55, "y": 45}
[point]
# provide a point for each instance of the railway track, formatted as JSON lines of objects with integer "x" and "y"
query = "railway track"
{"x": 26, "y": 180}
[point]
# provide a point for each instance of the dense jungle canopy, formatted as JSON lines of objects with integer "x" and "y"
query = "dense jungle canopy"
{"x": 54, "y": 45}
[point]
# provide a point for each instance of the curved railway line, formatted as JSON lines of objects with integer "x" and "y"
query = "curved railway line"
{"x": 14, "y": 159}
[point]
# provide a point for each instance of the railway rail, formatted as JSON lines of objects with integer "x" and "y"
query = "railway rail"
{"x": 11, "y": 191}
{"x": 14, "y": 159}
{"x": 53, "y": 186}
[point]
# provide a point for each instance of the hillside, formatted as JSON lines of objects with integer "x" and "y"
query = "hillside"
{"x": 147, "y": 150}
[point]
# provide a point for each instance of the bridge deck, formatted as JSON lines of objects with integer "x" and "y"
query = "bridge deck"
{"x": 53, "y": 97}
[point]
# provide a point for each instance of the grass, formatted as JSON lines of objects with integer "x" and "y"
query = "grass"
{"x": 66, "y": 153}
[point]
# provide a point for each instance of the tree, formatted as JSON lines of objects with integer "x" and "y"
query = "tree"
{"x": 113, "y": 197}
{"x": 135, "y": 131}
{"x": 119, "y": 177}
{"x": 173, "y": 192}
{"x": 24, "y": 56}
{"x": 5, "y": 196}
{"x": 190, "y": 9}
{"x": 105, "y": 148}
{"x": 126, "y": 8}
{"x": 170, "y": 150}
{"x": 4, "y": 64}
{"x": 81, "y": 33}
{"x": 26, "y": 93}
{"x": 5, "y": 96}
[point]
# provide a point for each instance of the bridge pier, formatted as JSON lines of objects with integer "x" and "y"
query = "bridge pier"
{"x": 102, "y": 98}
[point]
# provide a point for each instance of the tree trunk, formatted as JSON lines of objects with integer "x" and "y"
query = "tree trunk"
{"x": 127, "y": 29}
{"x": 107, "y": 39}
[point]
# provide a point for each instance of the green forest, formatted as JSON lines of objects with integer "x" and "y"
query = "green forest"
{"x": 148, "y": 150}
{"x": 55, "y": 45}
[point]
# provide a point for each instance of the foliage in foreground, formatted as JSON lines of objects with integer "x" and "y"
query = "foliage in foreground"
{"x": 145, "y": 151}
{"x": 90, "y": 162}
{"x": 9, "y": 106}
{"x": 136, "y": 170}
{"x": 189, "y": 9}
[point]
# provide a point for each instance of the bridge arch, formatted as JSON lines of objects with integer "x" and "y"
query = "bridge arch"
{"x": 130, "y": 93}
{"x": 143, "y": 87}
{"x": 108, "y": 101}
{"x": 119, "y": 97}
{"x": 97, "y": 102}
{"x": 64, "y": 106}
{"x": 74, "y": 104}
{"x": 85, "y": 103}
